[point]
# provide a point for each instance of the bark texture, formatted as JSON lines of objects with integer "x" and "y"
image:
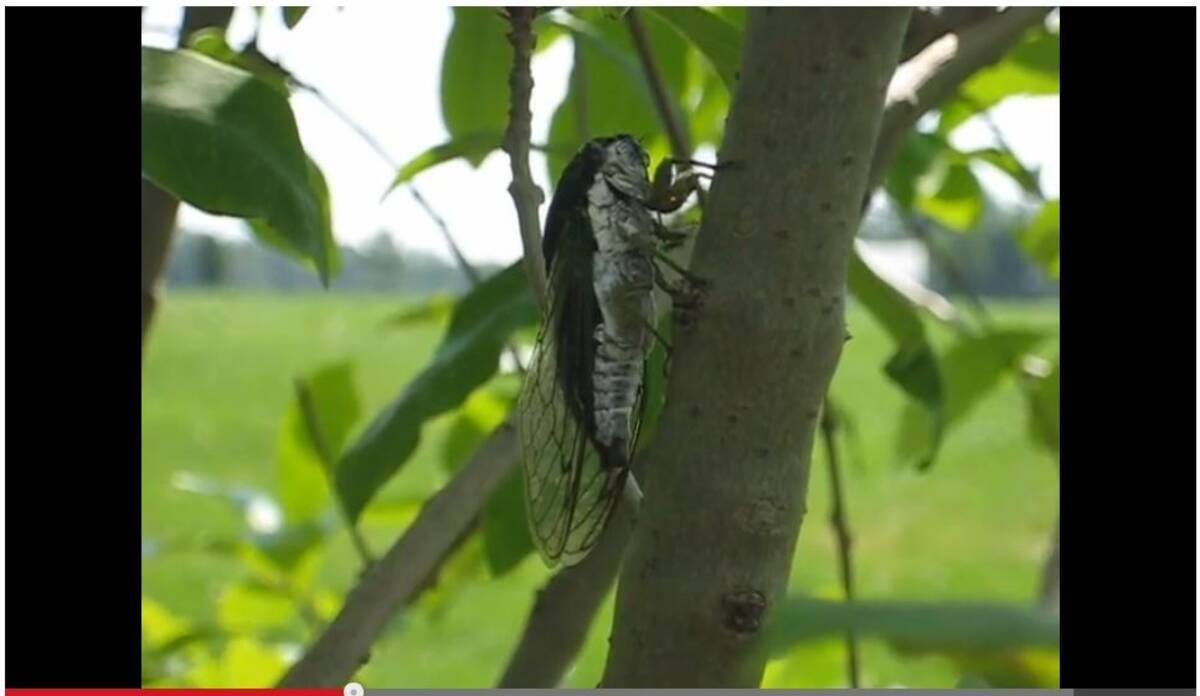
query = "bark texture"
{"x": 728, "y": 471}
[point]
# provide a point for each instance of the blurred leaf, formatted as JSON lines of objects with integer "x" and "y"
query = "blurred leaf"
{"x": 226, "y": 142}
{"x": 1030, "y": 69}
{"x": 914, "y": 365}
{"x": 951, "y": 195}
{"x": 506, "y": 540}
{"x": 248, "y": 663}
{"x": 955, "y": 626}
{"x": 718, "y": 40}
{"x": 467, "y": 357}
{"x": 244, "y": 608}
{"x": 916, "y": 156}
{"x": 288, "y": 546}
{"x": 293, "y": 15}
{"x": 1007, "y": 162}
{"x": 1044, "y": 410}
{"x": 1036, "y": 668}
{"x": 475, "y": 68}
{"x": 474, "y": 147}
{"x": 435, "y": 308}
{"x": 609, "y": 87}
{"x": 305, "y": 468}
{"x": 971, "y": 369}
{"x": 159, "y": 625}
{"x": 480, "y": 414}
{"x": 1040, "y": 238}
{"x": 464, "y": 565}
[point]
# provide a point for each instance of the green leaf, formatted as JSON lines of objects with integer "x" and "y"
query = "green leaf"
{"x": 971, "y": 369}
{"x": 914, "y": 366}
{"x": 315, "y": 429}
{"x": 475, "y": 68}
{"x": 211, "y": 42}
{"x": 474, "y": 147}
{"x": 718, "y": 40}
{"x": 468, "y": 356}
{"x": 249, "y": 608}
{"x": 916, "y": 156}
{"x": 437, "y": 308}
{"x": 1040, "y": 238}
{"x": 268, "y": 235}
{"x": 250, "y": 664}
{"x": 915, "y": 625}
{"x": 225, "y": 141}
{"x": 1007, "y": 162}
{"x": 608, "y": 87}
{"x": 1030, "y": 69}
{"x": 1044, "y": 410}
{"x": 506, "y": 539}
{"x": 952, "y": 196}
{"x": 293, "y": 15}
{"x": 480, "y": 414}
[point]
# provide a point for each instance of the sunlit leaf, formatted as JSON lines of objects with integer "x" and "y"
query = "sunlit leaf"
{"x": 474, "y": 147}
{"x": 1030, "y": 69}
{"x": 475, "y": 66}
{"x": 316, "y": 425}
{"x": 246, "y": 608}
{"x": 1040, "y": 239}
{"x": 159, "y": 625}
{"x": 226, "y": 142}
{"x": 251, "y": 664}
{"x": 480, "y": 414}
{"x": 468, "y": 356}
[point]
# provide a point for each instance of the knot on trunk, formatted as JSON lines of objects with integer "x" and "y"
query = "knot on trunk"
{"x": 742, "y": 611}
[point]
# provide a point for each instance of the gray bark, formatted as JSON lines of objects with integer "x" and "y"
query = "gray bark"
{"x": 728, "y": 471}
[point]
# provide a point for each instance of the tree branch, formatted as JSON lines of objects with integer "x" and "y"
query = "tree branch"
{"x": 931, "y": 23}
{"x": 839, "y": 520}
{"x": 525, "y": 194}
{"x": 398, "y": 577}
{"x": 728, "y": 467}
{"x": 936, "y": 72}
{"x": 668, "y": 109}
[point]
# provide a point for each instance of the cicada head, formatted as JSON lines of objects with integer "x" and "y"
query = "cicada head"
{"x": 626, "y": 165}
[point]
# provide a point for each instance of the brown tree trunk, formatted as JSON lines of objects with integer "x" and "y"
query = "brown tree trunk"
{"x": 727, "y": 472}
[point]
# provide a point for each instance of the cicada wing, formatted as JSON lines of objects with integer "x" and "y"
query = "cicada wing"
{"x": 569, "y": 496}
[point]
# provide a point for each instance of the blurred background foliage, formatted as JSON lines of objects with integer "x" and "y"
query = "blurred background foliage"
{"x": 290, "y": 436}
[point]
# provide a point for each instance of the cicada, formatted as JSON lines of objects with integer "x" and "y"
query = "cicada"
{"x": 582, "y": 401}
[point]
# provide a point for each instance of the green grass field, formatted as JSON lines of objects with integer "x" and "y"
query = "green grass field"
{"x": 218, "y": 376}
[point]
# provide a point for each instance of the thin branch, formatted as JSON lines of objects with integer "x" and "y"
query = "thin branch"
{"x": 931, "y": 23}
{"x": 668, "y": 109}
{"x": 839, "y": 520}
{"x": 936, "y": 72}
{"x": 465, "y": 266}
{"x": 525, "y": 194}
{"x": 316, "y": 433}
{"x": 398, "y": 577}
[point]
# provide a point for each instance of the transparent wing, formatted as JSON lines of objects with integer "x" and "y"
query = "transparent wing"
{"x": 569, "y": 495}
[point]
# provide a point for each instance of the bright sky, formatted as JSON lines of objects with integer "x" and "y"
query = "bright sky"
{"x": 380, "y": 63}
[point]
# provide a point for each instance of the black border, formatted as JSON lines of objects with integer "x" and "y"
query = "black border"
{"x": 73, "y": 481}
{"x": 1128, "y": 337}
{"x": 73, "y": 350}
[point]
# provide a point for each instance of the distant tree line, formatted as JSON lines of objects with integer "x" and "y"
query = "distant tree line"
{"x": 201, "y": 260}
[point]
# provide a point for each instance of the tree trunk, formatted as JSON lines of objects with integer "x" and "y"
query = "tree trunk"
{"x": 727, "y": 472}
